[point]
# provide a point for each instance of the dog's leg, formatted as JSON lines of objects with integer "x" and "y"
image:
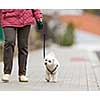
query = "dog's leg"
{"x": 54, "y": 77}
{"x": 47, "y": 77}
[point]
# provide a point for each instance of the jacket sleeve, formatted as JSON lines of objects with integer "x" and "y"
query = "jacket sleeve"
{"x": 37, "y": 14}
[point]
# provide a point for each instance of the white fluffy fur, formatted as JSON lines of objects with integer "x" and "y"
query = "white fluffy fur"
{"x": 51, "y": 65}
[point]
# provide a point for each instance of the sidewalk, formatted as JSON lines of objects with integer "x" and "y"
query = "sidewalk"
{"x": 79, "y": 71}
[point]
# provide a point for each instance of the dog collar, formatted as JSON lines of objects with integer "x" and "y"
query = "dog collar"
{"x": 51, "y": 72}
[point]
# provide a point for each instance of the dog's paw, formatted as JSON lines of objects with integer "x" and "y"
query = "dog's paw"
{"x": 47, "y": 80}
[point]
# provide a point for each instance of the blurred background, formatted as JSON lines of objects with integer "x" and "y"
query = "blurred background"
{"x": 70, "y": 28}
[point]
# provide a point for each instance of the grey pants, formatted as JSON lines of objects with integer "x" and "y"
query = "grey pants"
{"x": 10, "y": 39}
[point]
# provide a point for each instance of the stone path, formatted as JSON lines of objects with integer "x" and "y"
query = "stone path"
{"x": 79, "y": 71}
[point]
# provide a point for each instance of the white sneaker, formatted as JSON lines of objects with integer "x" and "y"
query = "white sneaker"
{"x": 6, "y": 78}
{"x": 23, "y": 78}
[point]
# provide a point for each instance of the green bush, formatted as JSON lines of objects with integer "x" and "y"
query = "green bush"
{"x": 1, "y": 35}
{"x": 68, "y": 38}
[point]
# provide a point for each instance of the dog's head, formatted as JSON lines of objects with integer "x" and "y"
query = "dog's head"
{"x": 49, "y": 61}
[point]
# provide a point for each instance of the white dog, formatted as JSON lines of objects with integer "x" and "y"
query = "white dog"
{"x": 51, "y": 65}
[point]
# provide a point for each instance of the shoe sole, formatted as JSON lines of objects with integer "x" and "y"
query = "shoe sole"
{"x": 22, "y": 81}
{"x": 47, "y": 80}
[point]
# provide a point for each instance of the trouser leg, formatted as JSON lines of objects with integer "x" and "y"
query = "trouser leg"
{"x": 10, "y": 38}
{"x": 23, "y": 34}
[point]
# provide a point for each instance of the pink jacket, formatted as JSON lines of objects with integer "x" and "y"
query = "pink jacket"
{"x": 19, "y": 17}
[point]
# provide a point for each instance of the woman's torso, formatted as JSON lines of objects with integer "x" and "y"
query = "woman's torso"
{"x": 16, "y": 17}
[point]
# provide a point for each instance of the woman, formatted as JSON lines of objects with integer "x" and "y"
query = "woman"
{"x": 17, "y": 22}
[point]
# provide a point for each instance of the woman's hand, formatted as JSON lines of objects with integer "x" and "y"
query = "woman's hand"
{"x": 40, "y": 24}
{"x": 39, "y": 18}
